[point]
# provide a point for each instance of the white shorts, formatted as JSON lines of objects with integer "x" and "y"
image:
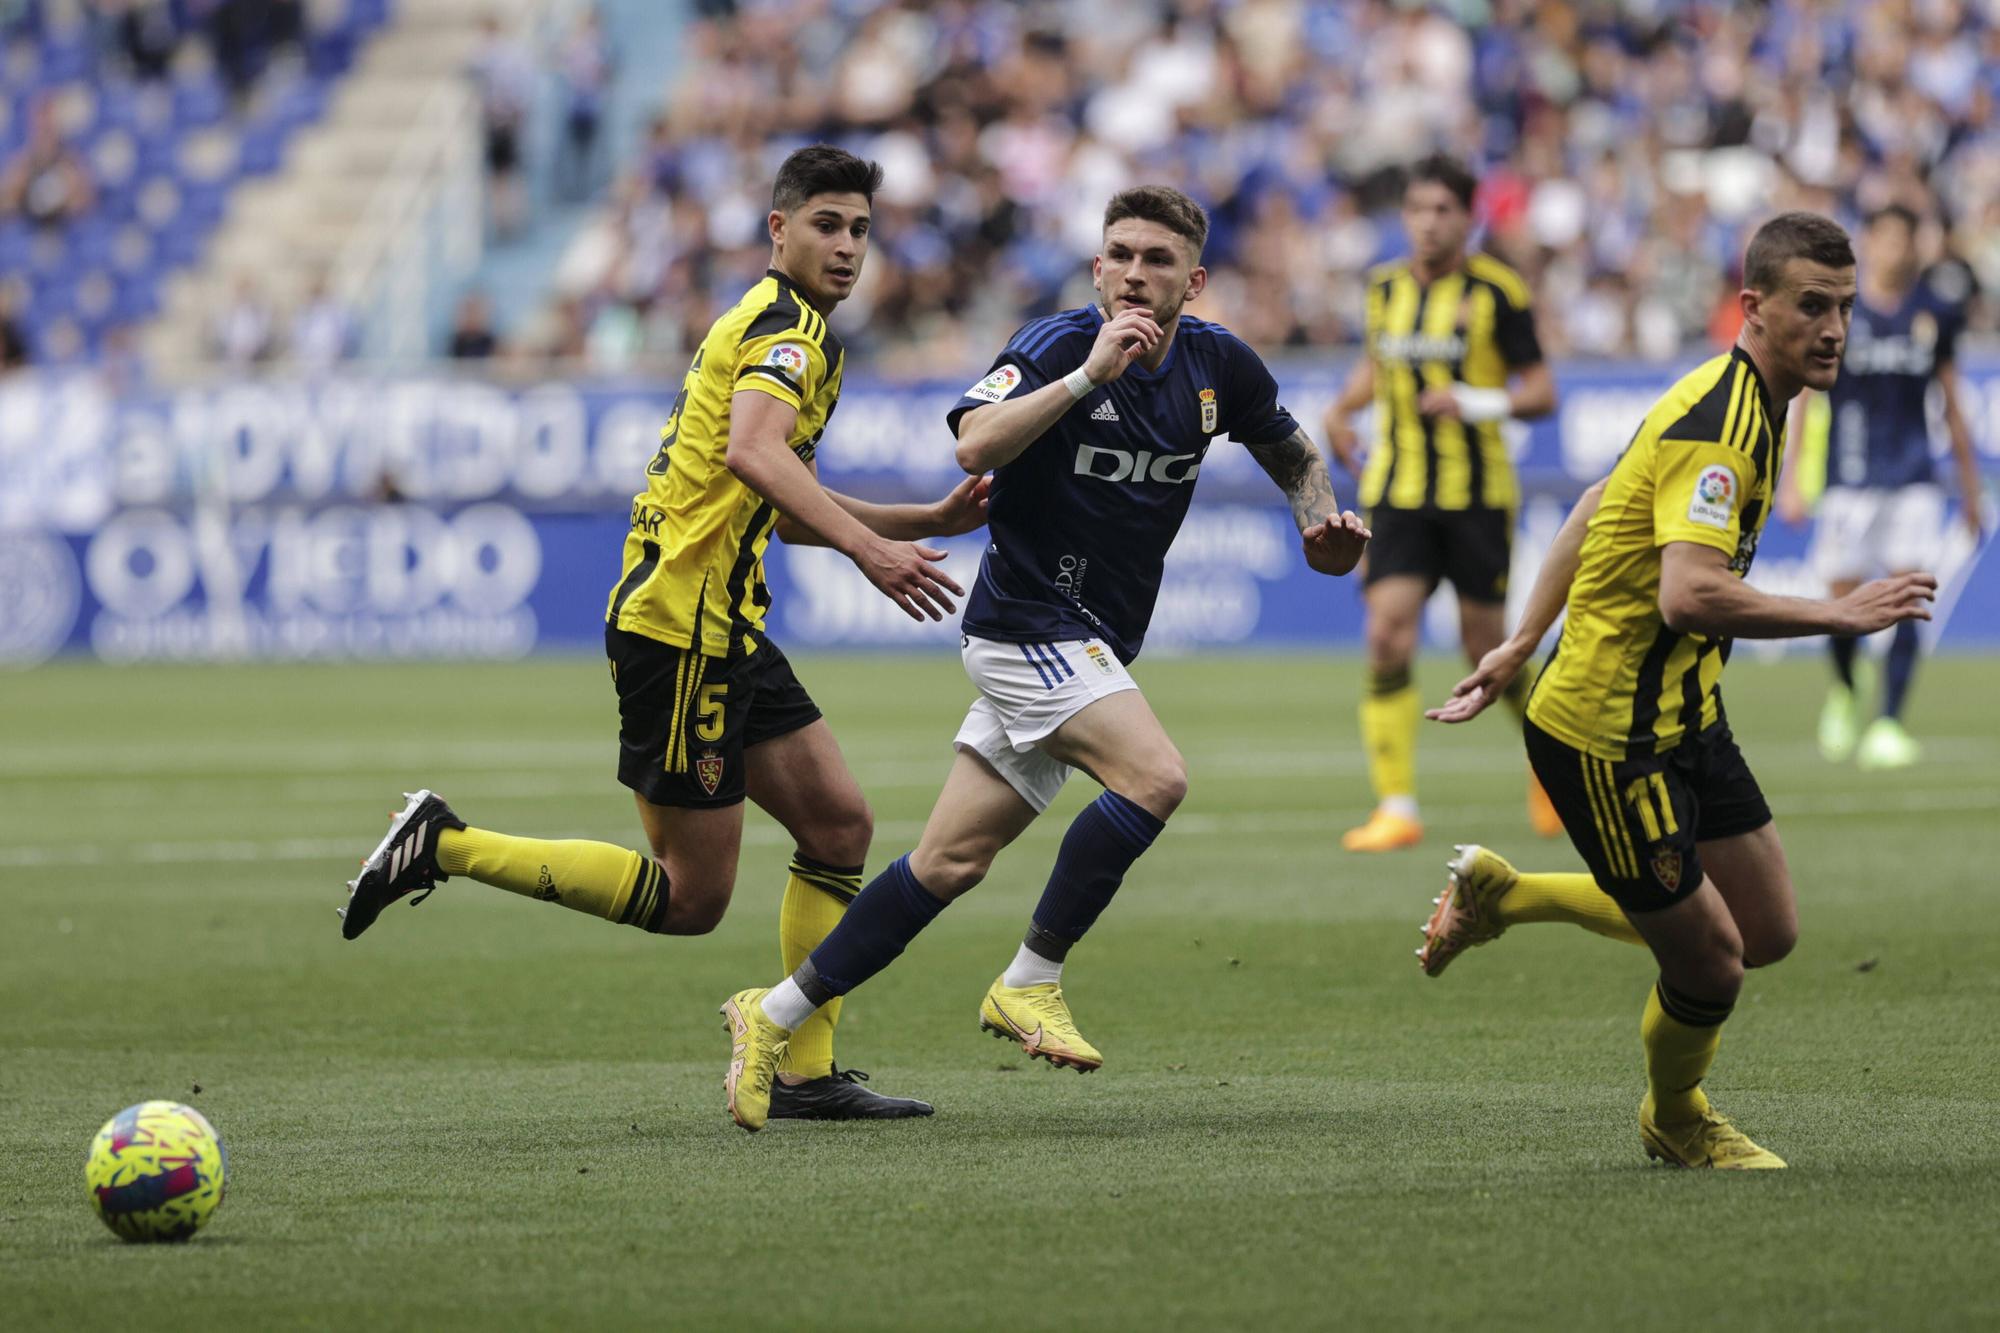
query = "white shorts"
{"x": 1026, "y": 691}
{"x": 1865, "y": 532}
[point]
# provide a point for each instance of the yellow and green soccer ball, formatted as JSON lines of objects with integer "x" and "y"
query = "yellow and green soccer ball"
{"x": 155, "y": 1171}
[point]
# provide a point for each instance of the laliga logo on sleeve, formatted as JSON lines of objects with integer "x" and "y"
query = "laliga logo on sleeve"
{"x": 996, "y": 386}
{"x": 1714, "y": 499}
{"x": 790, "y": 360}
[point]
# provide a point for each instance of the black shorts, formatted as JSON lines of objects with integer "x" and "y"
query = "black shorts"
{"x": 685, "y": 719}
{"x": 1472, "y": 547}
{"x": 1639, "y": 822}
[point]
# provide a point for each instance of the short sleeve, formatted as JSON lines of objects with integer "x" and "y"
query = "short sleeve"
{"x": 1514, "y": 332}
{"x": 1698, "y": 493}
{"x": 788, "y": 365}
{"x": 1012, "y": 374}
{"x": 1950, "y": 323}
{"x": 1256, "y": 417}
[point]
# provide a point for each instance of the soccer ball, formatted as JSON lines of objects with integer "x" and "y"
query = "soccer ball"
{"x": 155, "y": 1171}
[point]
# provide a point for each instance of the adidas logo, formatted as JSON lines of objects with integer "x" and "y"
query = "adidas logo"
{"x": 1105, "y": 412}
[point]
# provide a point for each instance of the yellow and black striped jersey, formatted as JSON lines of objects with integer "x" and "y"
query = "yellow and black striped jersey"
{"x": 1702, "y": 468}
{"x": 694, "y": 558}
{"x": 1470, "y": 326}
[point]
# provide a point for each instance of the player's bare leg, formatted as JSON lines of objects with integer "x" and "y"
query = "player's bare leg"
{"x": 1885, "y": 743}
{"x": 802, "y": 780}
{"x": 1390, "y": 712}
{"x": 1701, "y": 956}
{"x": 698, "y": 850}
{"x": 1751, "y": 873}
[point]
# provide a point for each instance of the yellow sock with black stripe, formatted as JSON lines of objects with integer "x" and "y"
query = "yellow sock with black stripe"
{"x": 816, "y": 897}
{"x": 1390, "y": 714}
{"x": 1681, "y": 1035}
{"x": 599, "y": 878}
{"x": 1573, "y": 898}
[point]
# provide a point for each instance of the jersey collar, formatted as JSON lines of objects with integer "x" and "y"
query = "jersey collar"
{"x": 1771, "y": 408}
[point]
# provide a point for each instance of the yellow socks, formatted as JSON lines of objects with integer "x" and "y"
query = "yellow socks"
{"x": 1574, "y": 898}
{"x": 595, "y": 877}
{"x": 1680, "y": 1034}
{"x": 1390, "y": 714}
{"x": 816, "y": 897}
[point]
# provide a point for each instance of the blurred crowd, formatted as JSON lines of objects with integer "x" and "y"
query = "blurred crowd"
{"x": 1625, "y": 149}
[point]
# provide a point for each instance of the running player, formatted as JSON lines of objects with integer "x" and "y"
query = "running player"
{"x": 709, "y": 708}
{"x": 1626, "y": 726}
{"x": 1096, "y": 422}
{"x": 1447, "y": 333}
{"x": 1882, "y": 510}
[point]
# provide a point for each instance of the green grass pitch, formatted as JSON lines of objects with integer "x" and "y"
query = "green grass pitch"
{"x": 494, "y": 1113}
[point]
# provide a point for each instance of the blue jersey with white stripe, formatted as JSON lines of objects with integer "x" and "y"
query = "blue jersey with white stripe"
{"x": 1878, "y": 432}
{"x": 1079, "y": 523}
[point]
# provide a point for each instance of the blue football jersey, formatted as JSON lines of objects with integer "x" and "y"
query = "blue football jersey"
{"x": 1878, "y": 434}
{"x": 1080, "y": 522}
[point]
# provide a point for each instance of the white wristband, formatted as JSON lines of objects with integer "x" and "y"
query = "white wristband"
{"x": 1078, "y": 384}
{"x": 1482, "y": 404}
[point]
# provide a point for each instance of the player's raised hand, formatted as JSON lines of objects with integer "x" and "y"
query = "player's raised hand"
{"x": 1488, "y": 681}
{"x": 964, "y": 509}
{"x": 1334, "y": 544}
{"x": 903, "y": 573}
{"x": 1121, "y": 341}
{"x": 1887, "y": 602}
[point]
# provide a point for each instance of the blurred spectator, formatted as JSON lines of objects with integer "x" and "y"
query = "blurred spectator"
{"x": 244, "y": 331}
{"x": 14, "y": 352}
{"x": 584, "y": 64}
{"x": 1626, "y": 152}
{"x": 147, "y": 35}
{"x": 323, "y": 331}
{"x": 472, "y": 336}
{"x": 504, "y": 74}
{"x": 46, "y": 182}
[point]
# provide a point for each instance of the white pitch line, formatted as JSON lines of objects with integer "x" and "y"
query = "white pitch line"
{"x": 762, "y": 833}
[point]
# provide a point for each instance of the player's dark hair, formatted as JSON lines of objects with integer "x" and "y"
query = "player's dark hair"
{"x": 1903, "y": 213}
{"x": 823, "y": 169}
{"x": 1790, "y": 236}
{"x": 1162, "y": 204}
{"x": 1446, "y": 170}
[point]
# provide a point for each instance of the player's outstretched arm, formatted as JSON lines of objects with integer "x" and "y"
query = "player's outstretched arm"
{"x": 1496, "y": 670}
{"x": 990, "y": 437}
{"x": 760, "y": 457}
{"x": 1333, "y": 540}
{"x": 961, "y": 511}
{"x": 1700, "y": 594}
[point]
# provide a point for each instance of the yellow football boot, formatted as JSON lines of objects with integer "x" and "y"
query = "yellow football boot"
{"x": 1467, "y": 912}
{"x": 1709, "y": 1141}
{"x": 757, "y": 1045}
{"x": 1542, "y": 816}
{"x": 1385, "y": 831}
{"x": 1037, "y": 1018}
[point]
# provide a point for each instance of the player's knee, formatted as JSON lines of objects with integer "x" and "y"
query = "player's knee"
{"x": 696, "y": 904}
{"x": 1770, "y": 944}
{"x": 841, "y": 834}
{"x": 1390, "y": 646}
{"x": 951, "y": 871}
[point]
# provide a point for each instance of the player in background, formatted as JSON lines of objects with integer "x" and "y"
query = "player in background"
{"x": 709, "y": 708}
{"x": 1626, "y": 726}
{"x": 1095, "y": 422}
{"x": 1882, "y": 510}
{"x": 1448, "y": 332}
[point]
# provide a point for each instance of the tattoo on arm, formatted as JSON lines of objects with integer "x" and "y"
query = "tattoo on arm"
{"x": 1295, "y": 464}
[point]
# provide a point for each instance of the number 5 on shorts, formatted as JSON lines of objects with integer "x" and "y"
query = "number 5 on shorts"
{"x": 709, "y": 711}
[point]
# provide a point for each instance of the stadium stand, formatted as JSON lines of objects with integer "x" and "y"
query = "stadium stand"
{"x": 1626, "y": 149}
{"x": 124, "y": 130}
